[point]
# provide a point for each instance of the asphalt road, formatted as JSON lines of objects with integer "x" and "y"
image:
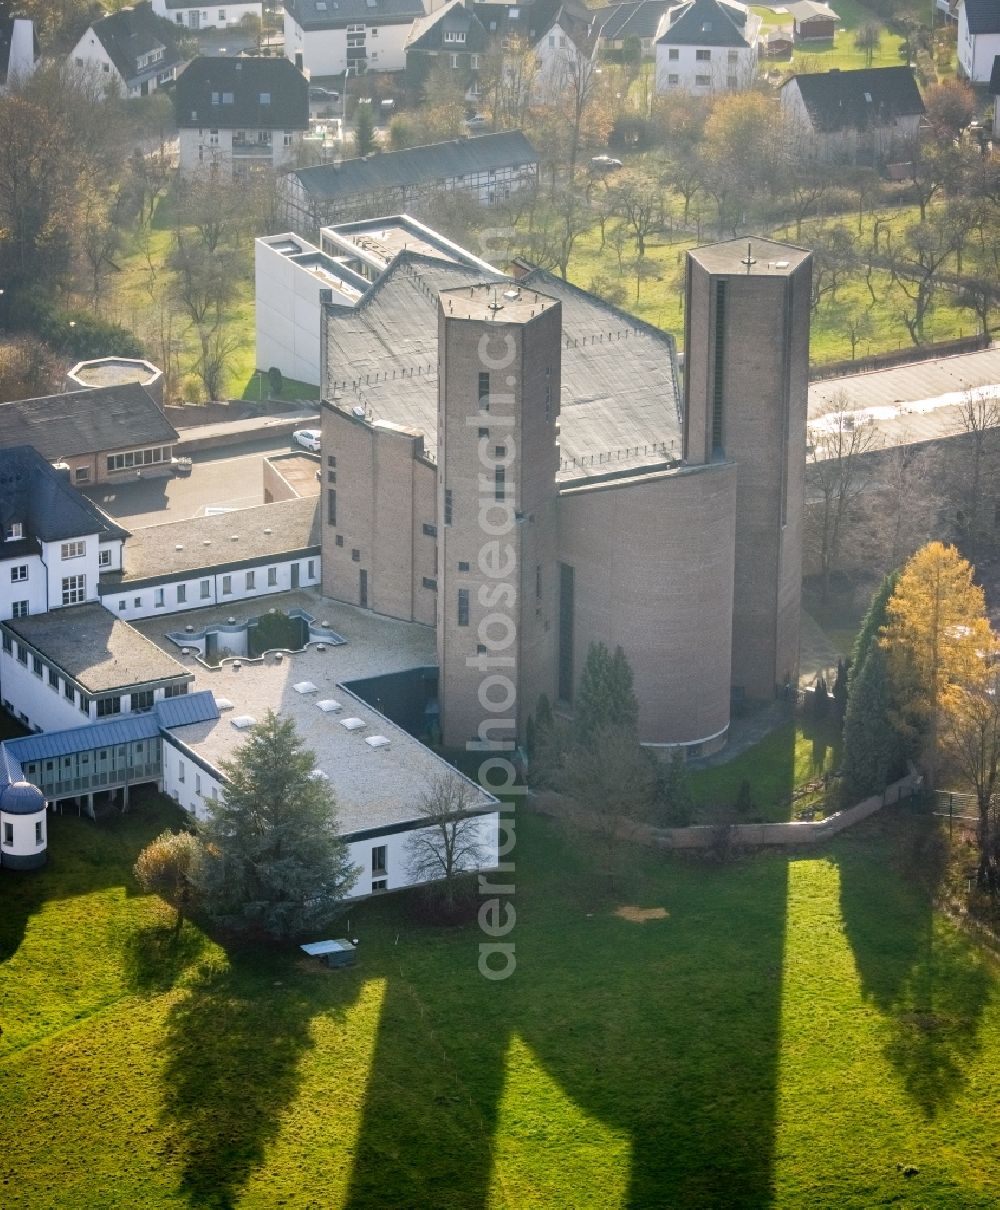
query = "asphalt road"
{"x": 225, "y": 478}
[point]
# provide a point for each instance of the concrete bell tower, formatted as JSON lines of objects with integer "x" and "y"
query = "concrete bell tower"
{"x": 746, "y": 374}
{"x": 499, "y": 354}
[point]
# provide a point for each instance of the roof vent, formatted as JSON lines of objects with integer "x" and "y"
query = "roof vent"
{"x": 376, "y": 741}
{"x": 352, "y": 724}
{"x": 234, "y": 537}
{"x": 304, "y": 687}
{"x": 206, "y": 541}
{"x": 243, "y": 722}
{"x": 224, "y": 703}
{"x": 179, "y": 546}
{"x": 230, "y": 619}
{"x": 358, "y": 411}
{"x": 329, "y": 706}
{"x": 268, "y": 531}
{"x": 781, "y": 264}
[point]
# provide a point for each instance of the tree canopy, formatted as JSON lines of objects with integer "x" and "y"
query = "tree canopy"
{"x": 274, "y": 862}
{"x": 605, "y": 698}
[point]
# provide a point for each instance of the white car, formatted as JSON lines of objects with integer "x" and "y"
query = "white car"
{"x": 307, "y": 438}
{"x": 476, "y": 122}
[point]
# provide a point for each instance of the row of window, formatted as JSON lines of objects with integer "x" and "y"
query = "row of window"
{"x": 701, "y": 56}
{"x": 133, "y": 458}
{"x": 8, "y": 833}
{"x": 732, "y": 82}
{"x": 205, "y": 588}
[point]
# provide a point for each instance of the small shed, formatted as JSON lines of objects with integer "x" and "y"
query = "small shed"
{"x": 341, "y": 952}
{"x": 812, "y": 21}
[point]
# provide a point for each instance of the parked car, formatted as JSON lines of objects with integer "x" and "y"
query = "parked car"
{"x": 605, "y": 163}
{"x": 307, "y": 438}
{"x": 180, "y": 466}
{"x": 476, "y": 122}
{"x": 318, "y": 93}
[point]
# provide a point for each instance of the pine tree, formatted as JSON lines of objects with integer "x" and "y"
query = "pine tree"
{"x": 364, "y": 131}
{"x": 873, "y": 749}
{"x": 605, "y": 698}
{"x": 876, "y": 617}
{"x": 274, "y": 862}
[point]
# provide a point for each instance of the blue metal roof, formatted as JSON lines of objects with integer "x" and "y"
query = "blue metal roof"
{"x": 188, "y": 708}
{"x": 10, "y": 770}
{"x": 104, "y": 734}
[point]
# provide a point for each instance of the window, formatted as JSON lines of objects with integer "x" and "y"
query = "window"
{"x": 463, "y": 607}
{"x": 19, "y": 609}
{"x": 454, "y": 60}
{"x": 73, "y": 550}
{"x": 673, "y": 54}
{"x": 182, "y": 594}
{"x": 448, "y": 506}
{"x": 673, "y": 78}
{"x": 68, "y": 691}
{"x": 104, "y": 557}
{"x": 331, "y": 506}
{"x": 8, "y": 642}
{"x": 265, "y": 98}
{"x": 331, "y": 460}
{"x": 538, "y": 581}
{"x": 158, "y": 598}
{"x": 331, "y": 476}
{"x": 378, "y": 859}
{"x": 463, "y": 565}
{"x": 272, "y": 577}
{"x": 19, "y": 573}
{"x": 74, "y": 590}
{"x": 703, "y": 56}
{"x": 175, "y": 690}
{"x": 429, "y": 530}
{"x": 355, "y": 555}
{"x": 474, "y": 62}
{"x": 227, "y": 585}
{"x": 108, "y": 705}
{"x": 22, "y": 654}
{"x": 429, "y": 583}
{"x": 500, "y": 451}
{"x": 732, "y": 82}
{"x": 380, "y": 884}
{"x": 227, "y": 98}
{"x": 82, "y": 474}
{"x": 310, "y": 569}
{"x": 484, "y": 390}
{"x": 339, "y": 540}
{"x": 222, "y": 14}
{"x": 251, "y": 580}
{"x": 39, "y": 837}
{"x": 373, "y": 32}
{"x": 121, "y": 606}
{"x": 8, "y": 833}
{"x": 454, "y": 35}
{"x": 181, "y": 767}
{"x": 142, "y": 700}
{"x": 137, "y": 458}
{"x": 484, "y": 433}
{"x": 36, "y": 666}
{"x": 703, "y": 81}
{"x": 734, "y": 56}
{"x": 205, "y": 589}
{"x": 500, "y": 483}
{"x": 197, "y": 783}
{"x": 137, "y": 602}
{"x": 54, "y": 678}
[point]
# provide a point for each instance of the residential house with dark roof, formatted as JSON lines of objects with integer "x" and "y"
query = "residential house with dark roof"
{"x": 228, "y": 14}
{"x": 489, "y": 167}
{"x": 54, "y": 542}
{"x": 363, "y": 35}
{"x": 101, "y": 435}
{"x": 524, "y": 23}
{"x": 870, "y": 115}
{"x": 978, "y": 38}
{"x": 240, "y": 115}
{"x": 707, "y": 46}
{"x": 453, "y": 36}
{"x": 18, "y": 46}
{"x": 134, "y": 47}
{"x": 566, "y": 55}
{"x": 640, "y": 20}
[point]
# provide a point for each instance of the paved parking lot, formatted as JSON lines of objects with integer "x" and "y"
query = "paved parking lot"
{"x": 226, "y": 478}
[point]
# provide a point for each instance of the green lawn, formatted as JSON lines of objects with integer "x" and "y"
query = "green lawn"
{"x": 790, "y": 1033}
{"x": 841, "y": 52}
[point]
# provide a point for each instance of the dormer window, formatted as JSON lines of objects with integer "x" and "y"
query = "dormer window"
{"x": 15, "y": 531}
{"x": 227, "y": 98}
{"x": 265, "y": 98}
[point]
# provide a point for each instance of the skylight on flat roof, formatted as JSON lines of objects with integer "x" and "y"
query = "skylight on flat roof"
{"x": 224, "y": 703}
{"x": 376, "y": 741}
{"x": 243, "y": 722}
{"x": 329, "y": 706}
{"x": 304, "y": 687}
{"x": 352, "y": 724}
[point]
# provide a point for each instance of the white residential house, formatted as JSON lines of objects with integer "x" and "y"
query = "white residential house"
{"x": 978, "y": 38}
{"x": 363, "y": 35}
{"x": 707, "y": 46}
{"x": 239, "y": 115}
{"x": 207, "y": 16}
{"x": 133, "y": 47}
{"x": 567, "y": 59}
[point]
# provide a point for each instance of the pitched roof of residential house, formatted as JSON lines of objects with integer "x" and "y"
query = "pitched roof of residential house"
{"x": 417, "y": 165}
{"x": 131, "y": 33}
{"x": 428, "y": 32}
{"x": 707, "y": 23}
{"x": 582, "y": 36}
{"x": 47, "y": 505}
{"x": 842, "y": 100}
{"x": 528, "y": 20}
{"x": 334, "y": 14}
{"x": 983, "y": 16}
{"x": 206, "y": 82}
{"x": 85, "y": 422}
{"x": 639, "y": 19}
{"x": 804, "y": 10}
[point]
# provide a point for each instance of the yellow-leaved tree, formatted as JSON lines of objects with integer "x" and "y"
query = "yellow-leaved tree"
{"x": 938, "y": 644}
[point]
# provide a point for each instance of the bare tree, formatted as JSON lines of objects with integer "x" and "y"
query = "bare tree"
{"x": 448, "y": 843}
{"x": 839, "y": 471}
{"x": 974, "y": 476}
{"x": 972, "y": 737}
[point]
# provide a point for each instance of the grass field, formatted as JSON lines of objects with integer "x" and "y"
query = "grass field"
{"x": 790, "y": 1033}
{"x": 841, "y": 52}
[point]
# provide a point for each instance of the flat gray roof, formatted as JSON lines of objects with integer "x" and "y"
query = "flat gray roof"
{"x": 245, "y": 536}
{"x": 906, "y": 404}
{"x": 770, "y": 258}
{"x": 96, "y": 649}
{"x": 373, "y": 787}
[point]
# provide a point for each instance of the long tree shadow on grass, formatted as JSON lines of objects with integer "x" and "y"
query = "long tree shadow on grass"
{"x": 929, "y": 982}
{"x": 232, "y": 1068}
{"x": 663, "y": 1034}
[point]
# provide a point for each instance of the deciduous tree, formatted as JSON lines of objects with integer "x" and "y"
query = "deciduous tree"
{"x": 449, "y": 842}
{"x": 168, "y": 867}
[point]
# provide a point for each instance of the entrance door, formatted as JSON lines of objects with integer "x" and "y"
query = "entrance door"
{"x": 194, "y": 18}
{"x": 295, "y": 575}
{"x": 363, "y": 589}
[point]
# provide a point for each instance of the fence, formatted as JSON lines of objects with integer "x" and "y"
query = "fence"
{"x": 883, "y": 361}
